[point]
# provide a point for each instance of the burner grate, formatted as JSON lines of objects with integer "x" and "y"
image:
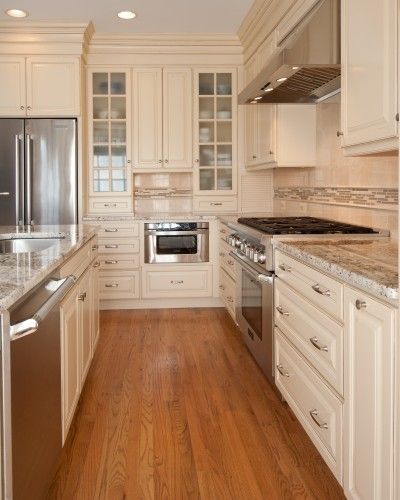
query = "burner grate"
{"x": 302, "y": 225}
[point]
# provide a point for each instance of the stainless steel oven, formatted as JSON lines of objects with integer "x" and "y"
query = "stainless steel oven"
{"x": 176, "y": 242}
{"x": 254, "y": 311}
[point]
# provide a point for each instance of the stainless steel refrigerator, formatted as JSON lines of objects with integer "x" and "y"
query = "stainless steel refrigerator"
{"x": 38, "y": 171}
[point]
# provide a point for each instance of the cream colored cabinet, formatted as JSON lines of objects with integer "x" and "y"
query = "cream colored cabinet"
{"x": 70, "y": 366}
{"x": 94, "y": 287}
{"x": 85, "y": 304}
{"x": 369, "y": 76}
{"x": 40, "y": 86}
{"x": 109, "y": 140}
{"x": 280, "y": 136}
{"x": 162, "y": 118}
{"x": 369, "y": 348}
{"x": 215, "y": 132}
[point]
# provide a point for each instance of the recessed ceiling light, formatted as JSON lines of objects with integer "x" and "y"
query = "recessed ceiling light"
{"x": 126, "y": 14}
{"x": 269, "y": 89}
{"x": 16, "y": 13}
{"x": 258, "y": 98}
{"x": 283, "y": 79}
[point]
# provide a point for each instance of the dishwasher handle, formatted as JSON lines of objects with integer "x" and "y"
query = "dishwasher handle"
{"x": 31, "y": 325}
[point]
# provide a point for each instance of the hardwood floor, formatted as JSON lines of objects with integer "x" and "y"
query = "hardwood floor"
{"x": 175, "y": 408}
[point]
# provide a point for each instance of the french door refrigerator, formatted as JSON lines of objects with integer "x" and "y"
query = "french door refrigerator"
{"x": 38, "y": 171}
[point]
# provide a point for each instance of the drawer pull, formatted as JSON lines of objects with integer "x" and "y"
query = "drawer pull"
{"x": 82, "y": 297}
{"x": 282, "y": 311}
{"x": 96, "y": 264}
{"x": 315, "y": 342}
{"x": 222, "y": 254}
{"x": 314, "y": 415}
{"x": 322, "y": 291}
{"x": 110, "y": 262}
{"x": 282, "y": 371}
{"x": 361, "y": 304}
{"x": 222, "y": 231}
{"x": 216, "y": 204}
{"x": 111, "y": 246}
{"x": 95, "y": 247}
{"x": 176, "y": 282}
{"x": 110, "y": 205}
{"x": 230, "y": 262}
{"x": 285, "y": 268}
{"x": 221, "y": 287}
{"x": 229, "y": 299}
{"x": 111, "y": 230}
{"x": 111, "y": 285}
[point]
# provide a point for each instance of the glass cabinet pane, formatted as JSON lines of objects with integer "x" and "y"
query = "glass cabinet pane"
{"x": 101, "y": 181}
{"x": 224, "y": 84}
{"x": 207, "y": 157}
{"x": 224, "y": 108}
{"x": 118, "y": 108}
{"x": 118, "y": 85}
{"x": 224, "y": 179}
{"x": 206, "y": 132}
{"x": 118, "y": 132}
{"x": 100, "y": 83}
{"x": 118, "y": 156}
{"x": 206, "y": 84}
{"x": 224, "y": 155}
{"x": 100, "y": 108}
{"x": 207, "y": 179}
{"x": 224, "y": 131}
{"x": 206, "y": 108}
{"x": 100, "y": 132}
{"x": 101, "y": 157}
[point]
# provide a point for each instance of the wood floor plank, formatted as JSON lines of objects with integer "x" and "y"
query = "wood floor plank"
{"x": 174, "y": 407}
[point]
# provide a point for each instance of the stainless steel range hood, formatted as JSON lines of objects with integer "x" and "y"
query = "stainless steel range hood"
{"x": 307, "y": 61}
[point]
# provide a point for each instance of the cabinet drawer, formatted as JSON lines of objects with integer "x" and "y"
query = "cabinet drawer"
{"x": 118, "y": 230}
{"x": 215, "y": 204}
{"x": 110, "y": 205}
{"x": 315, "y": 405}
{"x": 119, "y": 285}
{"x": 119, "y": 246}
{"x": 118, "y": 261}
{"x": 77, "y": 264}
{"x": 185, "y": 282}
{"x": 227, "y": 288}
{"x": 316, "y": 336}
{"x": 225, "y": 260}
{"x": 224, "y": 231}
{"x": 321, "y": 290}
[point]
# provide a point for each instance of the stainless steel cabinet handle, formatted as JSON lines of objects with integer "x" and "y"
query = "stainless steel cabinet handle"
{"x": 216, "y": 204}
{"x": 31, "y": 325}
{"x": 339, "y": 133}
{"x": 82, "y": 297}
{"x": 29, "y": 108}
{"x": 221, "y": 287}
{"x": 314, "y": 415}
{"x": 111, "y": 285}
{"x": 159, "y": 161}
{"x": 96, "y": 264}
{"x": 322, "y": 291}
{"x": 95, "y": 247}
{"x": 282, "y": 371}
{"x": 165, "y": 161}
{"x": 22, "y": 107}
{"x": 28, "y": 179}
{"x": 285, "y": 268}
{"x": 254, "y": 157}
{"x": 110, "y": 204}
{"x": 315, "y": 342}
{"x": 111, "y": 230}
{"x": 176, "y": 282}
{"x": 5, "y": 193}
{"x": 361, "y": 304}
{"x": 111, "y": 246}
{"x": 282, "y": 311}
{"x": 229, "y": 299}
{"x": 111, "y": 262}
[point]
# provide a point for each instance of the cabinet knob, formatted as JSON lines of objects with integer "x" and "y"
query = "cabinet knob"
{"x": 128, "y": 161}
{"x": 28, "y": 108}
{"x": 82, "y": 297}
{"x": 22, "y": 107}
{"x": 361, "y": 304}
{"x": 165, "y": 161}
{"x": 254, "y": 157}
{"x": 159, "y": 161}
{"x": 197, "y": 160}
{"x": 271, "y": 152}
{"x": 339, "y": 133}
{"x": 96, "y": 264}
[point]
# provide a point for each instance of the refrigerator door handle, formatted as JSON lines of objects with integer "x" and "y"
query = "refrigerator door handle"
{"x": 18, "y": 217}
{"x": 28, "y": 180}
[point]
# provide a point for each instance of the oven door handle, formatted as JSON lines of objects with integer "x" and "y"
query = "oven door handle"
{"x": 154, "y": 232}
{"x": 265, "y": 278}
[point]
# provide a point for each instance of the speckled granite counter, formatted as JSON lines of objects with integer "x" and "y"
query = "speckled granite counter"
{"x": 371, "y": 265}
{"x": 21, "y": 272}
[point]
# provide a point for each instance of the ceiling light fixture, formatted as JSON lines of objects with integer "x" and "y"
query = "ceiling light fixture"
{"x": 258, "y": 98}
{"x": 269, "y": 89}
{"x": 283, "y": 79}
{"x": 16, "y": 13}
{"x": 126, "y": 14}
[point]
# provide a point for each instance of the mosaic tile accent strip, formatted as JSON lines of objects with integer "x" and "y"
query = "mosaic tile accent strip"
{"x": 383, "y": 198}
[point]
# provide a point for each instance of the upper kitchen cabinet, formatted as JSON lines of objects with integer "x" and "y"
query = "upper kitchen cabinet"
{"x": 162, "y": 117}
{"x": 109, "y": 134}
{"x": 40, "y": 86}
{"x": 281, "y": 135}
{"x": 369, "y": 76}
{"x": 215, "y": 132}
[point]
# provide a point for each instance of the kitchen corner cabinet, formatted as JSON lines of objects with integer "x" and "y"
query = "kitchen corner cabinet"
{"x": 280, "y": 136}
{"x": 370, "y": 337}
{"x": 162, "y": 117}
{"x": 109, "y": 94}
{"x": 215, "y": 132}
{"x": 40, "y": 86}
{"x": 369, "y": 76}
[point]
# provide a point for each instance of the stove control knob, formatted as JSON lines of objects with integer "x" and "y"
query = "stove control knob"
{"x": 251, "y": 252}
{"x": 243, "y": 246}
{"x": 238, "y": 242}
{"x": 261, "y": 258}
{"x": 247, "y": 250}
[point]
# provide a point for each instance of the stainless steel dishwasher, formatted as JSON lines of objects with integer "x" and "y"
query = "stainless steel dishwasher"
{"x": 35, "y": 358}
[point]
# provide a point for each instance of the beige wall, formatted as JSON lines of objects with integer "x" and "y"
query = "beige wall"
{"x": 334, "y": 169}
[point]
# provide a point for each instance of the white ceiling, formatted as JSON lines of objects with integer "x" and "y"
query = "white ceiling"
{"x": 153, "y": 16}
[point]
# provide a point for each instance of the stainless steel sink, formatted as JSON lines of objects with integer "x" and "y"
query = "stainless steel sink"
{"x": 25, "y": 245}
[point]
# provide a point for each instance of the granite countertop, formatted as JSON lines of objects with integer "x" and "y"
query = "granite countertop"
{"x": 371, "y": 265}
{"x": 21, "y": 272}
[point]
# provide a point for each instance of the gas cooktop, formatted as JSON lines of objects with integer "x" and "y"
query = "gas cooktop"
{"x": 303, "y": 225}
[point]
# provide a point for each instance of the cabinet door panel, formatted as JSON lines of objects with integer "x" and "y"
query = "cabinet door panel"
{"x": 177, "y": 118}
{"x": 147, "y": 117}
{"x": 369, "y": 75}
{"x": 251, "y": 135}
{"x": 94, "y": 289}
{"x": 12, "y": 86}
{"x": 85, "y": 307}
{"x": 53, "y": 86}
{"x": 265, "y": 136}
{"x": 368, "y": 393}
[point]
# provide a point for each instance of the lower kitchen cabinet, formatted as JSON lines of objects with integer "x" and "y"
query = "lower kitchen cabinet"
{"x": 370, "y": 337}
{"x": 85, "y": 312}
{"x": 95, "y": 304}
{"x": 119, "y": 285}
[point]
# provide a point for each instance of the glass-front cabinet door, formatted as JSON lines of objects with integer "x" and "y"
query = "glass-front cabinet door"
{"x": 109, "y": 132}
{"x": 215, "y": 132}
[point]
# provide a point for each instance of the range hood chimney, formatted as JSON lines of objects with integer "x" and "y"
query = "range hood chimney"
{"x": 306, "y": 68}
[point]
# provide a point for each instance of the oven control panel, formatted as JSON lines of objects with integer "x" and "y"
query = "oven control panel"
{"x": 253, "y": 251}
